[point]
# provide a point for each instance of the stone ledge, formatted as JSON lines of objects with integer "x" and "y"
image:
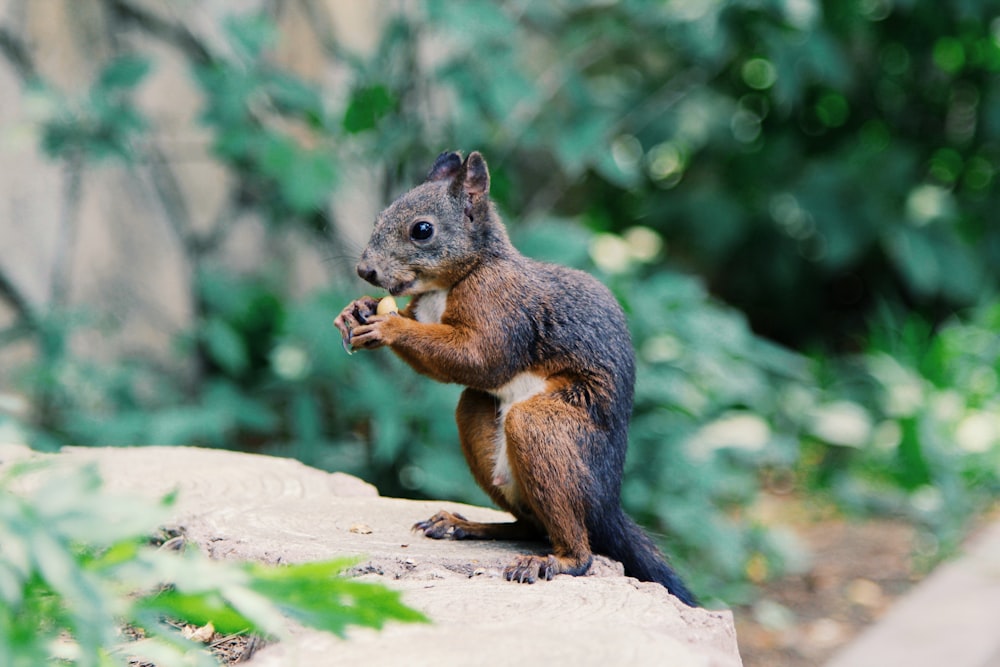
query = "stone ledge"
{"x": 246, "y": 506}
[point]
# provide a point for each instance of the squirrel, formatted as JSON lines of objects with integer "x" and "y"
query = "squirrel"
{"x": 547, "y": 363}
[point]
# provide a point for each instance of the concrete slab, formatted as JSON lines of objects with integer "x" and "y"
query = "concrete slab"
{"x": 236, "y": 505}
{"x": 951, "y": 618}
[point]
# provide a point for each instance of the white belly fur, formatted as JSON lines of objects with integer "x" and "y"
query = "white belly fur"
{"x": 430, "y": 307}
{"x": 521, "y": 388}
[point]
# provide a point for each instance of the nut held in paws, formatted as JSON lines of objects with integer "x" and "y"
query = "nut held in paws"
{"x": 386, "y": 305}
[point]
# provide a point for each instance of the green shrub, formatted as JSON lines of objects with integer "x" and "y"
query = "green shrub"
{"x": 925, "y": 440}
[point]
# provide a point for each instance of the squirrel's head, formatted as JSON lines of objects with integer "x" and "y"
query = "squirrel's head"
{"x": 434, "y": 234}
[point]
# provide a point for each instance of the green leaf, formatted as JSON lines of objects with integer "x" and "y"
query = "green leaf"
{"x": 367, "y": 106}
{"x": 294, "y": 96}
{"x": 391, "y": 432}
{"x": 124, "y": 72}
{"x": 555, "y": 240}
{"x": 307, "y": 183}
{"x": 251, "y": 34}
{"x": 916, "y": 256}
{"x": 316, "y": 595}
{"x": 241, "y": 409}
{"x": 185, "y": 424}
{"x": 225, "y": 346}
{"x": 580, "y": 141}
{"x": 11, "y": 585}
{"x": 278, "y": 154}
{"x": 197, "y": 608}
{"x": 306, "y": 417}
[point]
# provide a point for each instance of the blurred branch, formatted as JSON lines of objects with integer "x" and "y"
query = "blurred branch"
{"x": 667, "y": 96}
{"x": 13, "y": 296}
{"x": 61, "y": 265}
{"x": 545, "y": 197}
{"x": 16, "y": 52}
{"x": 319, "y": 17}
{"x": 173, "y": 33}
{"x": 170, "y": 196}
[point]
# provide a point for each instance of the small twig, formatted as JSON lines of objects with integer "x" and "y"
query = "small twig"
{"x": 16, "y": 52}
{"x": 254, "y": 642}
{"x": 224, "y": 221}
{"x": 223, "y": 640}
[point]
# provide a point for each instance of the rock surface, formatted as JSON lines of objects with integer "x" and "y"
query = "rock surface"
{"x": 247, "y": 506}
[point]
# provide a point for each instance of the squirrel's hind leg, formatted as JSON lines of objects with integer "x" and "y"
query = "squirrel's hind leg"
{"x": 544, "y": 438}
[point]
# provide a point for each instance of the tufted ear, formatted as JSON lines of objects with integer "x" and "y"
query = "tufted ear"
{"x": 477, "y": 176}
{"x": 446, "y": 166}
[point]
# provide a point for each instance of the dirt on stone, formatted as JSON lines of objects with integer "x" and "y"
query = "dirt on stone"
{"x": 228, "y": 649}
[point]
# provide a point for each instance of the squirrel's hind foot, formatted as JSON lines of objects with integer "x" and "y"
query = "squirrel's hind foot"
{"x": 529, "y": 569}
{"x": 443, "y": 525}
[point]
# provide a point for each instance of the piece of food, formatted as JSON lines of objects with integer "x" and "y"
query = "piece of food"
{"x": 386, "y": 305}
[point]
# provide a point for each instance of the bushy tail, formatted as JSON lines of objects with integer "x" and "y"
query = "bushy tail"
{"x": 622, "y": 539}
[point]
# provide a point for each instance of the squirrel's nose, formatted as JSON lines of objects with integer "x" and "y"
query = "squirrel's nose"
{"x": 368, "y": 273}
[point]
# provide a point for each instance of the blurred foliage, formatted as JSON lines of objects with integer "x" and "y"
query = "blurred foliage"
{"x": 818, "y": 165}
{"x": 808, "y": 159}
{"x": 77, "y": 566}
{"x": 912, "y": 426}
{"x": 101, "y": 123}
{"x": 268, "y": 126}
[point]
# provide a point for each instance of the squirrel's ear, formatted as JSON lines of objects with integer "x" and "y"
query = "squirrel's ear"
{"x": 446, "y": 166}
{"x": 477, "y": 176}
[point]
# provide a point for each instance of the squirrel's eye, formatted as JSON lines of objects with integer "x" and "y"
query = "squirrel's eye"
{"x": 421, "y": 231}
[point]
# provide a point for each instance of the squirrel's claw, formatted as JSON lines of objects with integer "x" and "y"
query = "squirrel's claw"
{"x": 528, "y": 569}
{"x": 442, "y": 525}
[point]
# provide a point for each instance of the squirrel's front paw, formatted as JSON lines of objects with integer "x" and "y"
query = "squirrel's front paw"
{"x": 376, "y": 333}
{"x": 354, "y": 315}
